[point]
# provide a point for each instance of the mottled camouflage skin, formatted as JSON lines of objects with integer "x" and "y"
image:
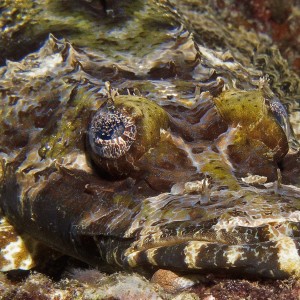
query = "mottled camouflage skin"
{"x": 183, "y": 203}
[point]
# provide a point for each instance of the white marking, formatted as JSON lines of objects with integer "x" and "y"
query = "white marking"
{"x": 215, "y": 59}
{"x": 185, "y": 282}
{"x": 13, "y": 254}
{"x": 116, "y": 258}
{"x": 181, "y": 144}
{"x": 288, "y": 256}
{"x": 78, "y": 161}
{"x": 150, "y": 254}
{"x": 191, "y": 252}
{"x": 255, "y": 179}
{"x": 48, "y": 64}
{"x": 198, "y": 186}
{"x": 131, "y": 259}
{"x": 232, "y": 222}
{"x": 233, "y": 254}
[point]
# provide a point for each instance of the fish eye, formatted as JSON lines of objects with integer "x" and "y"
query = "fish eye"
{"x": 122, "y": 131}
{"x": 111, "y": 133}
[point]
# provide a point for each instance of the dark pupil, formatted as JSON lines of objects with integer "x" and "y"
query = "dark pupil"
{"x": 110, "y": 129}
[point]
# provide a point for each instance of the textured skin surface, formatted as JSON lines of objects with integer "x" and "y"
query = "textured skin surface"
{"x": 183, "y": 204}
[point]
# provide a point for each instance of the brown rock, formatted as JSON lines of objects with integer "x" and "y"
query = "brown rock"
{"x": 173, "y": 282}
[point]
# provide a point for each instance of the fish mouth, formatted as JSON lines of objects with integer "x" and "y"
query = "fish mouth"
{"x": 223, "y": 239}
{"x": 269, "y": 259}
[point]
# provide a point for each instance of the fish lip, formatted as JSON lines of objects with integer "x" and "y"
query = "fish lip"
{"x": 176, "y": 241}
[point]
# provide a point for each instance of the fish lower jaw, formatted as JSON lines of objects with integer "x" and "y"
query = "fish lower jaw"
{"x": 271, "y": 259}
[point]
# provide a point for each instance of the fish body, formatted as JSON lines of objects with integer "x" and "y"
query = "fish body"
{"x": 174, "y": 199}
